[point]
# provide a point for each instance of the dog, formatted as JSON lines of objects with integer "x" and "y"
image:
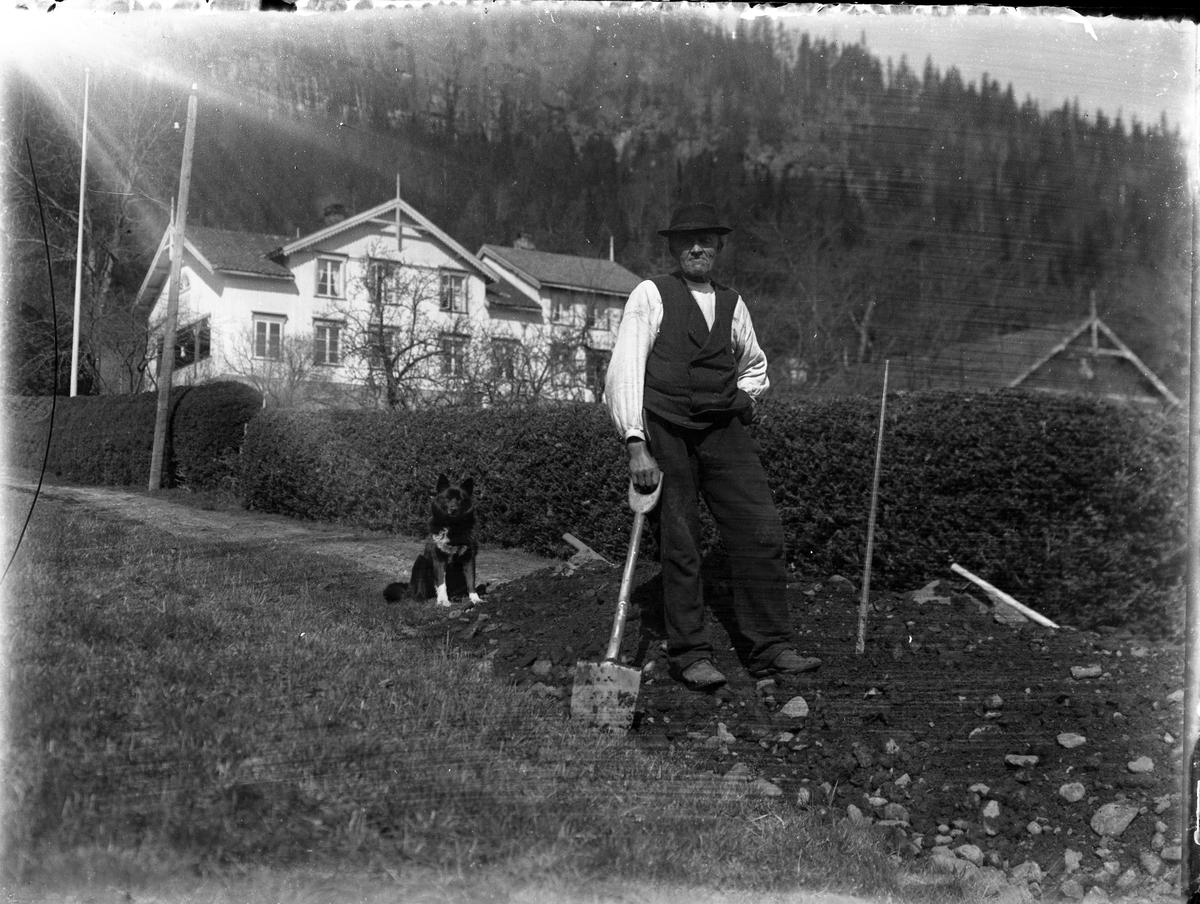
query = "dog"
{"x": 448, "y": 563}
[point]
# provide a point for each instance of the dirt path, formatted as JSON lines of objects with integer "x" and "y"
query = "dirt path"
{"x": 389, "y": 555}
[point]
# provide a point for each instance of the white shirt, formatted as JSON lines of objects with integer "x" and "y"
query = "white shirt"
{"x": 639, "y": 328}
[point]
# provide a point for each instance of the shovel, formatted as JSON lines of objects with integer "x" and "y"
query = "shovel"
{"x": 605, "y": 694}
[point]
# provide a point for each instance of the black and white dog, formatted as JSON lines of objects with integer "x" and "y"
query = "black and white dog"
{"x": 447, "y": 567}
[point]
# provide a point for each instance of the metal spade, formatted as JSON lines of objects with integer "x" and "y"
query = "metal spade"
{"x": 605, "y": 693}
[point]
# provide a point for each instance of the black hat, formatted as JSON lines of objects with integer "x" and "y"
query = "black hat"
{"x": 695, "y": 218}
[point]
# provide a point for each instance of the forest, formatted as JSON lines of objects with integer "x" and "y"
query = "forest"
{"x": 880, "y": 207}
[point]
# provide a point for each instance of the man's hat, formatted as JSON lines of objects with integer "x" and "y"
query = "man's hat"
{"x": 695, "y": 218}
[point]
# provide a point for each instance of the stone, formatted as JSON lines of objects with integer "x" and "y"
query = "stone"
{"x": 724, "y": 736}
{"x": 1034, "y": 828}
{"x": 542, "y": 667}
{"x": 739, "y": 773}
{"x": 764, "y": 788}
{"x": 1072, "y": 792}
{"x": 1128, "y": 879}
{"x": 1171, "y": 853}
{"x": 1086, "y": 671}
{"x": 803, "y": 797}
{"x": 1096, "y": 895}
{"x": 854, "y": 813}
{"x": 1141, "y": 765}
{"x": 929, "y": 594}
{"x": 1029, "y": 871}
{"x": 896, "y": 812}
{"x": 1072, "y": 860}
{"x": 969, "y": 852}
{"x": 1113, "y": 818}
{"x": 1070, "y": 740}
{"x": 796, "y": 708}
{"x": 1020, "y": 760}
{"x": 1151, "y": 863}
{"x": 1175, "y": 697}
{"x": 1071, "y": 890}
{"x": 991, "y": 817}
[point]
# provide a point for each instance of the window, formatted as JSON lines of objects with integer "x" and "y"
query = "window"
{"x": 560, "y": 308}
{"x": 608, "y": 318}
{"x": 268, "y": 338}
{"x": 327, "y": 342}
{"x": 454, "y": 293}
{"x": 504, "y": 358}
{"x": 193, "y": 343}
{"x": 454, "y": 354}
{"x": 562, "y": 358}
{"x": 329, "y": 277}
{"x": 381, "y": 281}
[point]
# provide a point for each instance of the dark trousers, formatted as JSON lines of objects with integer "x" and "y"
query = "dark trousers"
{"x": 719, "y": 463}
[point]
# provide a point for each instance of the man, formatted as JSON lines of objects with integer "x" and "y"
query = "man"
{"x": 681, "y": 387}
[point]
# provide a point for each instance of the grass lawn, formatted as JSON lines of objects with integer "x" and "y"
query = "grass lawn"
{"x": 182, "y": 710}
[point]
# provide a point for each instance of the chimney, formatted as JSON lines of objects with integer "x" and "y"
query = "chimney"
{"x": 524, "y": 242}
{"x": 333, "y": 213}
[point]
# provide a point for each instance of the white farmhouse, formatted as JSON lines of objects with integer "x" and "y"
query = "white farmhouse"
{"x": 568, "y": 306}
{"x": 384, "y": 307}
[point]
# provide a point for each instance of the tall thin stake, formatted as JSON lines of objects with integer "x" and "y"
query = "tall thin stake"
{"x": 167, "y": 358}
{"x": 87, "y": 81}
{"x": 866, "y": 582}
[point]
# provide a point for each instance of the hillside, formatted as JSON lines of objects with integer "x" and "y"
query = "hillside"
{"x": 879, "y": 211}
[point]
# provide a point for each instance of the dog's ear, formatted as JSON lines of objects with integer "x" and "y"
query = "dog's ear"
{"x": 443, "y": 483}
{"x": 468, "y": 486}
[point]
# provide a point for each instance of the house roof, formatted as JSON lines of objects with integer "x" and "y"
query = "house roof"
{"x": 239, "y": 252}
{"x": 387, "y": 210}
{"x": 566, "y": 271}
{"x": 223, "y": 250}
{"x": 1032, "y": 358}
{"x": 504, "y": 294}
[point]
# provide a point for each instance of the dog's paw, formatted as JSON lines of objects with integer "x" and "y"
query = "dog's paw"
{"x": 475, "y": 600}
{"x": 442, "y": 599}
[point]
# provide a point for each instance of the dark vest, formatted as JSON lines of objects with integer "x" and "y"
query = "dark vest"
{"x": 691, "y": 373}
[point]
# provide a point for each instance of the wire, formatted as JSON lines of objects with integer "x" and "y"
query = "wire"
{"x": 54, "y": 389}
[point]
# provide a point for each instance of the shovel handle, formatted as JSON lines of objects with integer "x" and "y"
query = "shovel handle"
{"x": 618, "y": 630}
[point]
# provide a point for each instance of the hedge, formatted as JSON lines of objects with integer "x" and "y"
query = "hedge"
{"x": 108, "y": 440}
{"x": 1074, "y": 506}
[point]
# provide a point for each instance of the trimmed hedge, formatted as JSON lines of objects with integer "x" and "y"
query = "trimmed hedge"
{"x": 1072, "y": 505}
{"x": 109, "y": 440}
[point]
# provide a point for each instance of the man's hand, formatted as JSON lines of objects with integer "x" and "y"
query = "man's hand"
{"x": 642, "y": 467}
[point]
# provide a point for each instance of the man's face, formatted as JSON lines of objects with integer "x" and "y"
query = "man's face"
{"x": 695, "y": 252}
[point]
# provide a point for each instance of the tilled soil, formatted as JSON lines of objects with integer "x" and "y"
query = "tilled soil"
{"x": 945, "y": 711}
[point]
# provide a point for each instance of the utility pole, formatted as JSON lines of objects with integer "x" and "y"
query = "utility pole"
{"x": 167, "y": 358}
{"x": 87, "y": 79}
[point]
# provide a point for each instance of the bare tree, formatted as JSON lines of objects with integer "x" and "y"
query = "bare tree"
{"x": 112, "y": 334}
{"x": 404, "y": 330}
{"x": 285, "y": 372}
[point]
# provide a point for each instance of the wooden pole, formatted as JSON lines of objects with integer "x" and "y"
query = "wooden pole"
{"x": 87, "y": 79}
{"x": 167, "y": 359}
{"x": 1004, "y": 597}
{"x": 866, "y": 583}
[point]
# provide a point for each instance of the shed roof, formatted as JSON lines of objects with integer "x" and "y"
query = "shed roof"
{"x": 1032, "y": 358}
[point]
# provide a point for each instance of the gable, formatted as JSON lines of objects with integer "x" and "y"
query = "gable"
{"x": 382, "y": 219}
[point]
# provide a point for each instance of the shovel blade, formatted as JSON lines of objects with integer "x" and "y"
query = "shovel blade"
{"x": 605, "y": 695}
